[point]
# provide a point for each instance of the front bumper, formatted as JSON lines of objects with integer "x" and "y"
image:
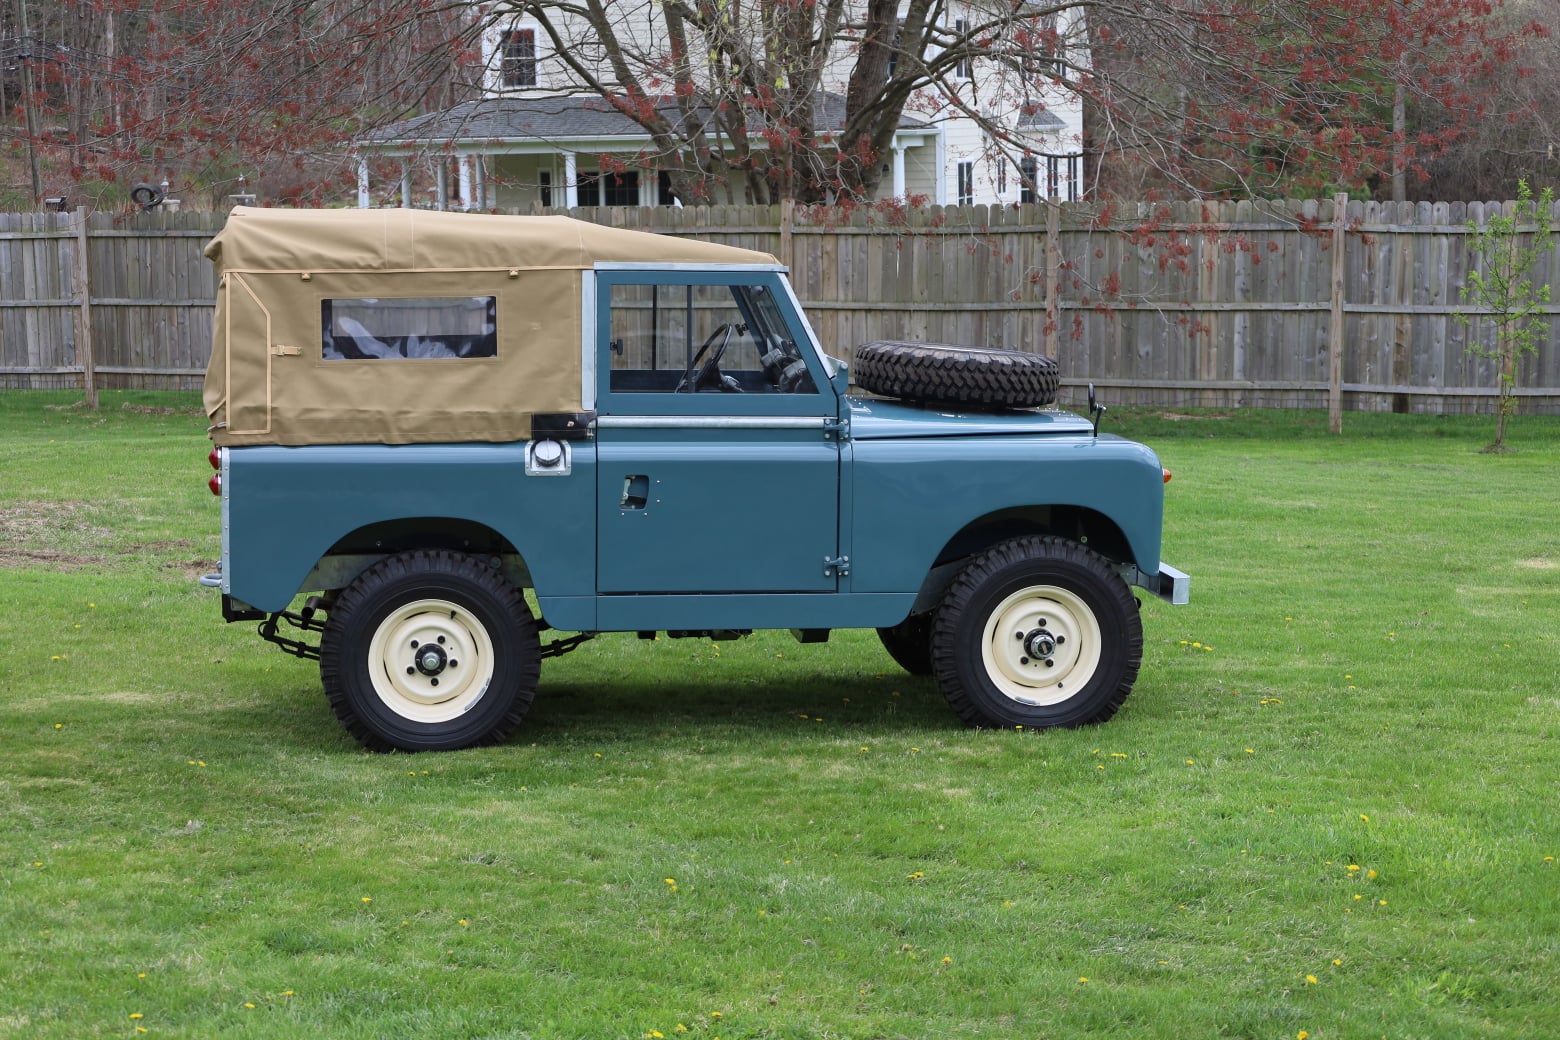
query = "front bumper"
{"x": 1170, "y": 585}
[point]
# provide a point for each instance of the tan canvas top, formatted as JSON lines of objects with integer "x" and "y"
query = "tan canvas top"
{"x": 401, "y": 239}
{"x": 402, "y": 326}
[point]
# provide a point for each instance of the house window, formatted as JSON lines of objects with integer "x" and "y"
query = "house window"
{"x": 518, "y": 67}
{"x": 1048, "y": 58}
{"x": 609, "y": 189}
{"x": 664, "y": 196}
{"x": 1052, "y": 177}
{"x": 544, "y": 186}
{"x": 962, "y": 69}
{"x": 966, "y": 184}
{"x": 1074, "y": 176}
{"x": 1028, "y": 175}
{"x": 1001, "y": 176}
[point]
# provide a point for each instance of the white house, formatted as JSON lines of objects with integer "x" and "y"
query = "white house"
{"x": 536, "y": 137}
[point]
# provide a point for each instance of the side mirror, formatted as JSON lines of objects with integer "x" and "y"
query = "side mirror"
{"x": 1096, "y": 410}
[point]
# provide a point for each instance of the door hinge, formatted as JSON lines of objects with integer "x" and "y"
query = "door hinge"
{"x": 836, "y": 566}
{"x": 836, "y": 428}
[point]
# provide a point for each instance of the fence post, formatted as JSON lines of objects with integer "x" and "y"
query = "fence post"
{"x": 84, "y": 289}
{"x": 787, "y": 222}
{"x": 1335, "y": 322}
{"x": 1053, "y": 271}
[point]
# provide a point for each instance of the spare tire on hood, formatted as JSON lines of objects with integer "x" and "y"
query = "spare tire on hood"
{"x": 941, "y": 373}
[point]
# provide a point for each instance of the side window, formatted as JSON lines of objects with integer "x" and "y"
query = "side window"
{"x": 415, "y": 328}
{"x": 687, "y": 339}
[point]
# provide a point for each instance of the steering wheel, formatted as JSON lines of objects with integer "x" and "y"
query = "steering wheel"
{"x": 705, "y": 371}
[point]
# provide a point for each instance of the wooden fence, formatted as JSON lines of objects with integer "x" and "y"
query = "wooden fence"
{"x": 1233, "y": 304}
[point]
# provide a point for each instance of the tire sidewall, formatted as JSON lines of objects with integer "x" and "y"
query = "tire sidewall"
{"x": 960, "y": 639}
{"x": 378, "y": 597}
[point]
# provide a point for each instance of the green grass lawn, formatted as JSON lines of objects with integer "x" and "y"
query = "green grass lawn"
{"x": 1328, "y": 810}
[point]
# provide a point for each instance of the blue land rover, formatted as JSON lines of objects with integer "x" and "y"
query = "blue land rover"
{"x": 418, "y": 416}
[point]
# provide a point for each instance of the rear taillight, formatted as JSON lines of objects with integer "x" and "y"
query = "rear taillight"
{"x": 1166, "y": 473}
{"x": 215, "y": 483}
{"x": 215, "y": 458}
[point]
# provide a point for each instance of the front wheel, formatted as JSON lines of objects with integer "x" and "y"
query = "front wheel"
{"x": 430, "y": 651}
{"x": 909, "y": 643}
{"x": 1037, "y": 632}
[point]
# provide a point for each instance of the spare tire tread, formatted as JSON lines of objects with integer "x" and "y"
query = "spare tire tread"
{"x": 941, "y": 373}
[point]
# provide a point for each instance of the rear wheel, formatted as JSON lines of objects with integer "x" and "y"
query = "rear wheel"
{"x": 430, "y": 650}
{"x": 1037, "y": 632}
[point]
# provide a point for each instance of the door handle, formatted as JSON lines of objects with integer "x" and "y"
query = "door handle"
{"x": 636, "y": 492}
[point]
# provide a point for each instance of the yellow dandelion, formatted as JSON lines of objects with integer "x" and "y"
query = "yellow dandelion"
{"x": 670, "y": 881}
{"x": 368, "y": 899}
{"x": 714, "y": 1014}
{"x": 1302, "y": 1035}
{"x": 1371, "y": 874}
{"x": 465, "y": 923}
{"x": 1381, "y": 902}
{"x": 1352, "y": 867}
{"x": 1310, "y": 980}
{"x": 1083, "y": 978}
{"x": 1337, "y": 962}
{"x": 947, "y": 960}
{"x": 1364, "y": 817}
{"x": 248, "y": 1005}
{"x": 918, "y": 875}
{"x": 136, "y": 1016}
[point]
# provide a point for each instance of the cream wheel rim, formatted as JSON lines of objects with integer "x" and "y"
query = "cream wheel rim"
{"x": 430, "y": 661}
{"x": 1041, "y": 645}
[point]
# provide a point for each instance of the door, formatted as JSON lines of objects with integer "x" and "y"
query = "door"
{"x": 718, "y": 464}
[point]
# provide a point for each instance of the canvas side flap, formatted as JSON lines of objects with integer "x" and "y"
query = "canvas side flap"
{"x": 246, "y": 386}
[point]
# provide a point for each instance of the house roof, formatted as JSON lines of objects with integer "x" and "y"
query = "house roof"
{"x": 1040, "y": 119}
{"x": 553, "y": 119}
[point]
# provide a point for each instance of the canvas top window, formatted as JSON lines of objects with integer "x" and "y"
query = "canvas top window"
{"x": 411, "y": 329}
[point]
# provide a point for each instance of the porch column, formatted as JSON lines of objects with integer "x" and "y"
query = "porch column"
{"x": 480, "y": 168}
{"x": 899, "y": 170}
{"x": 406, "y": 184}
{"x": 571, "y": 191}
{"x": 362, "y": 183}
{"x": 465, "y": 182}
{"x": 442, "y": 184}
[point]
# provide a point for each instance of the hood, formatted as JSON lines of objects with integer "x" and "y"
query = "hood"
{"x": 872, "y": 419}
